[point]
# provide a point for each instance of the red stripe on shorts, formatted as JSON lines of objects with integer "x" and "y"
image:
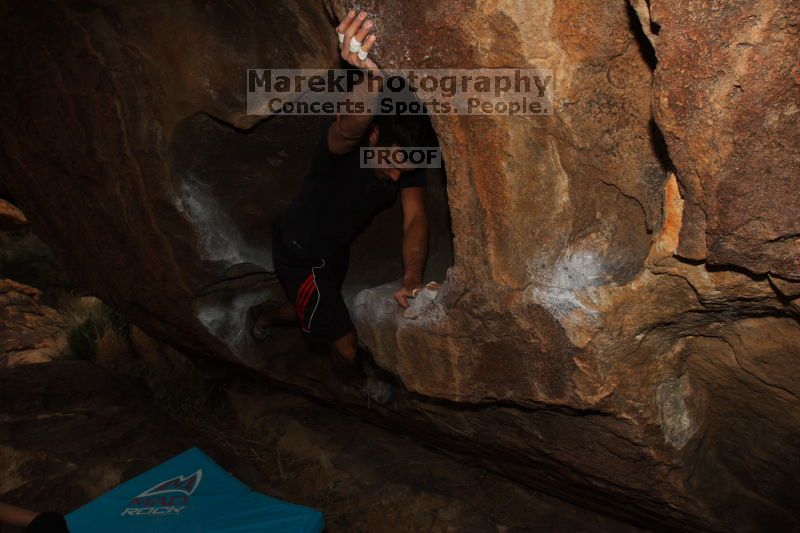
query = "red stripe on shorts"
{"x": 301, "y": 292}
{"x": 301, "y": 310}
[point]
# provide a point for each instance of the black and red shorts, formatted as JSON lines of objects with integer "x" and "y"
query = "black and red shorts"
{"x": 314, "y": 286}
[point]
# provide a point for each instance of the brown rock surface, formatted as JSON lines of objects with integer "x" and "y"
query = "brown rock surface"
{"x": 30, "y": 332}
{"x": 11, "y": 217}
{"x": 568, "y": 346}
{"x": 727, "y": 96}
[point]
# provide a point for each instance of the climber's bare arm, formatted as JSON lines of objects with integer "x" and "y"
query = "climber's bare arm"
{"x": 415, "y": 242}
{"x": 16, "y": 516}
{"x": 348, "y": 130}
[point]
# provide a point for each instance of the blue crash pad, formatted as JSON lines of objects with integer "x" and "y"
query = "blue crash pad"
{"x": 191, "y": 493}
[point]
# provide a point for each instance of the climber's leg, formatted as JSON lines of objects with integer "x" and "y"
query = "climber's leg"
{"x": 350, "y": 366}
{"x": 283, "y": 315}
{"x": 280, "y": 316}
{"x": 292, "y": 272}
{"x": 320, "y": 307}
{"x": 347, "y": 366}
{"x": 346, "y": 347}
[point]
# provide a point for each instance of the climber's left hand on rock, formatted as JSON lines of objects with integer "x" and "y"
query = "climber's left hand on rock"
{"x": 410, "y": 291}
{"x": 355, "y": 41}
{"x": 405, "y": 292}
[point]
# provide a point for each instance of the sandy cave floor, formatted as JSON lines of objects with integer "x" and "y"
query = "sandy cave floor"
{"x": 72, "y": 430}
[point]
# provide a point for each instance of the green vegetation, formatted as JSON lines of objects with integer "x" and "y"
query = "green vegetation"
{"x": 91, "y": 324}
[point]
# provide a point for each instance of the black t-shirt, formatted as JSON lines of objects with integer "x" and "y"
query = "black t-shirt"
{"x": 337, "y": 200}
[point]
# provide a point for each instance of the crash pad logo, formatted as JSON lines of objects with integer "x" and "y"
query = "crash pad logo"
{"x": 170, "y": 497}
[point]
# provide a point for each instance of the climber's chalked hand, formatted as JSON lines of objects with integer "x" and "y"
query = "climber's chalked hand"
{"x": 410, "y": 291}
{"x": 405, "y": 292}
{"x": 356, "y": 42}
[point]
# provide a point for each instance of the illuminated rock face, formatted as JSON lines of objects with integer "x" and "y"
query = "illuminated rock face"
{"x": 587, "y": 339}
{"x": 726, "y": 96}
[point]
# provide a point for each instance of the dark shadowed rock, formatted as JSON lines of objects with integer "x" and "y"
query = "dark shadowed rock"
{"x": 571, "y": 344}
{"x": 11, "y": 217}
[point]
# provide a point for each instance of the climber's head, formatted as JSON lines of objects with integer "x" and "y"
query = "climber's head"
{"x": 406, "y": 130}
{"x": 402, "y": 130}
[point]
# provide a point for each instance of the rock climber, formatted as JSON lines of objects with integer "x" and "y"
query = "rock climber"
{"x": 338, "y": 198}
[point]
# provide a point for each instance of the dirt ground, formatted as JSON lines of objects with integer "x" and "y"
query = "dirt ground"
{"x": 71, "y": 430}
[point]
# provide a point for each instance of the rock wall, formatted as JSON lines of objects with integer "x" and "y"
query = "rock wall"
{"x": 726, "y": 96}
{"x": 30, "y": 332}
{"x": 619, "y": 325}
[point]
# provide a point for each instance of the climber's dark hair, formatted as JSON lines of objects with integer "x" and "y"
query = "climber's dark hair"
{"x": 405, "y": 130}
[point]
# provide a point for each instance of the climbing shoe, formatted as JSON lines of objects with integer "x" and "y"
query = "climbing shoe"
{"x": 259, "y": 334}
{"x": 378, "y": 391}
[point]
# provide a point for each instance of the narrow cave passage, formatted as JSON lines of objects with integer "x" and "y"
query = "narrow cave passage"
{"x": 231, "y": 184}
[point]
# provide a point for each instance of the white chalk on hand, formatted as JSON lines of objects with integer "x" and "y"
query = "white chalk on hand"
{"x": 431, "y": 286}
{"x": 423, "y": 302}
{"x": 341, "y": 38}
{"x": 362, "y": 55}
{"x": 355, "y": 46}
